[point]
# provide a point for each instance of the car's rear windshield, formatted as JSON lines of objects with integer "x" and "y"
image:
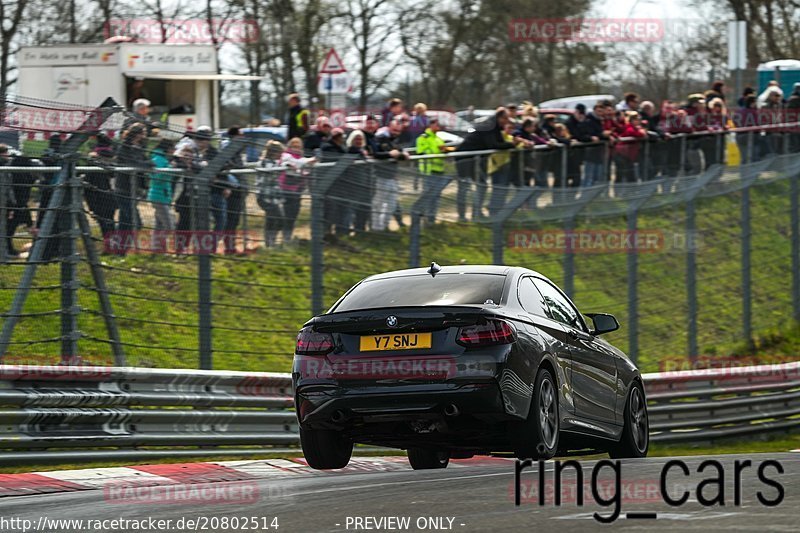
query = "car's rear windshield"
{"x": 422, "y": 289}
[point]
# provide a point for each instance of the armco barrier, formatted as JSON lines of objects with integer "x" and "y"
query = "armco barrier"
{"x": 75, "y": 413}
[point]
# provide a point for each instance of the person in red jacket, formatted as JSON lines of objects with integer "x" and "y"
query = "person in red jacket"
{"x": 630, "y": 131}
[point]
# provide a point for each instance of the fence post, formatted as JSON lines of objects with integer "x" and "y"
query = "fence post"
{"x": 422, "y": 207}
{"x": 711, "y": 174}
{"x": 68, "y": 217}
{"x": 498, "y": 246}
{"x": 682, "y": 163}
{"x": 569, "y": 258}
{"x": 317, "y": 250}
{"x": 795, "y": 232}
{"x": 5, "y": 186}
{"x": 244, "y": 186}
{"x": 205, "y": 342}
{"x": 204, "y": 179}
{"x": 633, "y": 271}
{"x": 746, "y": 281}
{"x": 322, "y": 180}
{"x": 570, "y": 217}
{"x": 691, "y": 279}
{"x": 498, "y": 220}
{"x": 564, "y": 163}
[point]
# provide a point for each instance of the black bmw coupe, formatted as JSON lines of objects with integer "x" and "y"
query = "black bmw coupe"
{"x": 453, "y": 361}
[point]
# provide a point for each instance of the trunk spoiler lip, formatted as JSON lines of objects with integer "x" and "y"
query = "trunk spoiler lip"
{"x": 329, "y": 319}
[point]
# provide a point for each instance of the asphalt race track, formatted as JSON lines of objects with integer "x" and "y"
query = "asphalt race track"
{"x": 472, "y": 495}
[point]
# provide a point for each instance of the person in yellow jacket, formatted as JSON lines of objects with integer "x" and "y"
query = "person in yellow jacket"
{"x": 434, "y": 169}
{"x": 500, "y": 168}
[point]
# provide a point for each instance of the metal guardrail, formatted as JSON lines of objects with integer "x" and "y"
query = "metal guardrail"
{"x": 704, "y": 405}
{"x": 63, "y": 407}
{"x": 75, "y": 413}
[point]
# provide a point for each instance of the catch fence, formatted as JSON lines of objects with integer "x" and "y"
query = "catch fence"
{"x": 694, "y": 255}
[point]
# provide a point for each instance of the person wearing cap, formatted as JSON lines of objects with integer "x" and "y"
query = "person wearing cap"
{"x": 298, "y": 119}
{"x": 318, "y": 135}
{"x": 141, "y": 115}
{"x": 334, "y": 146}
{"x": 220, "y": 186}
{"x": 748, "y": 91}
{"x": 512, "y": 112}
{"x": 236, "y": 199}
{"x": 371, "y": 125}
{"x": 698, "y": 116}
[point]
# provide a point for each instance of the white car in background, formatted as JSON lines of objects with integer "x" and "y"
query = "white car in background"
{"x": 569, "y": 102}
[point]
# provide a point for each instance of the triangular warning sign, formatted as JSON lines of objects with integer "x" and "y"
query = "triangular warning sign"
{"x": 332, "y": 64}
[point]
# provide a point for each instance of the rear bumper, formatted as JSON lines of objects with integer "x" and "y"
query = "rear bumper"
{"x": 340, "y": 407}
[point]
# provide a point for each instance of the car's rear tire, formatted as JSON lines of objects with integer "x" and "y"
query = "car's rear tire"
{"x": 537, "y": 436}
{"x": 635, "y": 439}
{"x": 325, "y": 449}
{"x": 427, "y": 459}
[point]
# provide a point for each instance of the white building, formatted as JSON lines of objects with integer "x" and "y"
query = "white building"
{"x": 180, "y": 80}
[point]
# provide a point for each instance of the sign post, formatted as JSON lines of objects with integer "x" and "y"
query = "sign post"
{"x": 737, "y": 51}
{"x": 335, "y": 72}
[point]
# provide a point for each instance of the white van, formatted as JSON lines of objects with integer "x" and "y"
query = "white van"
{"x": 569, "y": 102}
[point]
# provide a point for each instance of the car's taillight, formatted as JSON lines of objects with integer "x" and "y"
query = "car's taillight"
{"x": 490, "y": 334}
{"x": 310, "y": 342}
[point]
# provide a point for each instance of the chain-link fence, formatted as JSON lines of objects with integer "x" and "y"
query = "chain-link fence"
{"x": 134, "y": 251}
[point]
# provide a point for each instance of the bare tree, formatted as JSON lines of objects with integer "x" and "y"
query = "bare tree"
{"x": 373, "y": 28}
{"x": 11, "y": 14}
{"x": 440, "y": 40}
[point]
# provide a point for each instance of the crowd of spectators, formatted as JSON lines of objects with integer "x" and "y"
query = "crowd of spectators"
{"x": 632, "y": 140}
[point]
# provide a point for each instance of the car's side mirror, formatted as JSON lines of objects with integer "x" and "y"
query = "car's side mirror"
{"x": 603, "y": 323}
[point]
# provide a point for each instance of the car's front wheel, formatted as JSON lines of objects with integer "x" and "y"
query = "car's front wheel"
{"x": 427, "y": 459}
{"x": 325, "y": 449}
{"x": 635, "y": 439}
{"x": 537, "y": 436}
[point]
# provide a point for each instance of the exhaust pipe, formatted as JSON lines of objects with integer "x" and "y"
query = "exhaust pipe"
{"x": 451, "y": 410}
{"x": 338, "y": 416}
